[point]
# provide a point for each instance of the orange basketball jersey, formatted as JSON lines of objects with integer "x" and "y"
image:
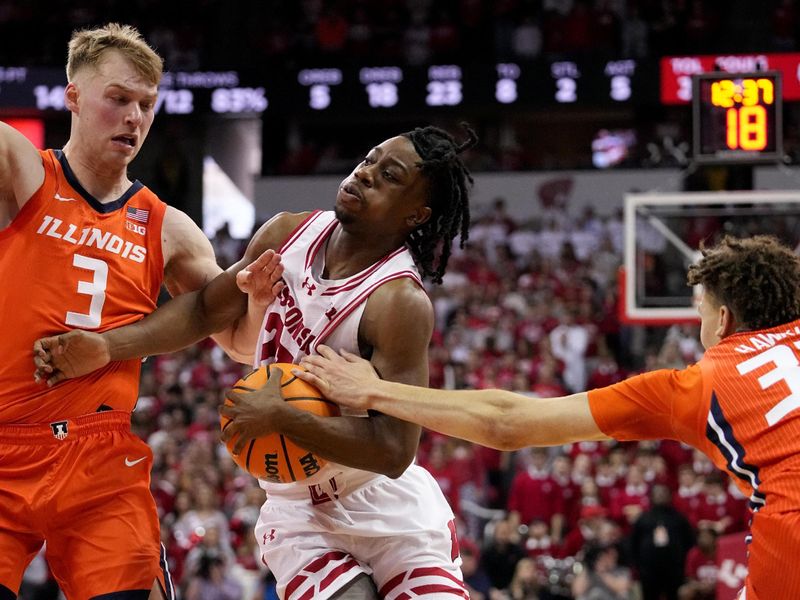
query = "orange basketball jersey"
{"x": 69, "y": 262}
{"x": 740, "y": 405}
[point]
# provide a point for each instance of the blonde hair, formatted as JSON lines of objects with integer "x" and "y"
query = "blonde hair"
{"x": 86, "y": 48}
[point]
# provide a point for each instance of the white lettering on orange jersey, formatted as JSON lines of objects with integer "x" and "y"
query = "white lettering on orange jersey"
{"x": 91, "y": 237}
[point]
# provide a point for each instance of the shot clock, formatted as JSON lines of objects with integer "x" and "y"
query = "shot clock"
{"x": 737, "y": 117}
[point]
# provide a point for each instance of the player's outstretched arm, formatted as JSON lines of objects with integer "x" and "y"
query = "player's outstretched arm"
{"x": 190, "y": 264}
{"x": 495, "y": 418}
{"x": 186, "y": 319}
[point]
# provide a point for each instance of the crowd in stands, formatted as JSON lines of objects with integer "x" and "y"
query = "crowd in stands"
{"x": 197, "y": 35}
{"x": 527, "y": 308}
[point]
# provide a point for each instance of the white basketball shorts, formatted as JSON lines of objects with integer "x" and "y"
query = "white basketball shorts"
{"x": 316, "y": 539}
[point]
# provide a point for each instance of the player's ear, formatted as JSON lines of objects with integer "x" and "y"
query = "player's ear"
{"x": 420, "y": 215}
{"x": 726, "y": 323}
{"x": 71, "y": 97}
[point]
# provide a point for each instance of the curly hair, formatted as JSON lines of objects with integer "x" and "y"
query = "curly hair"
{"x": 448, "y": 197}
{"x": 757, "y": 278}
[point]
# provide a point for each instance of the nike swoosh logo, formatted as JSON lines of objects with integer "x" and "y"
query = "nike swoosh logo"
{"x": 61, "y": 198}
{"x": 131, "y": 463}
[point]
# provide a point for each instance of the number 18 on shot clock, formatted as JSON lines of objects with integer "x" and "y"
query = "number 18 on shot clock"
{"x": 737, "y": 117}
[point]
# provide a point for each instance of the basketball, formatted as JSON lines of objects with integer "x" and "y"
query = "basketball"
{"x": 275, "y": 457}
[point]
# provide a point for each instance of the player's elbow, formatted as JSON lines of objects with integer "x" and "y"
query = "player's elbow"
{"x": 504, "y": 435}
{"x": 396, "y": 460}
{"x": 213, "y": 318}
{"x": 396, "y": 467}
{"x": 504, "y": 430}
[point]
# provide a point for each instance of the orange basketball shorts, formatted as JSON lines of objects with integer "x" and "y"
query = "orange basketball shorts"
{"x": 83, "y": 487}
{"x": 773, "y": 557}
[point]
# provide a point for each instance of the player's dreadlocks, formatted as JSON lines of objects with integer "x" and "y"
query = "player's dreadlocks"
{"x": 448, "y": 197}
{"x": 757, "y": 278}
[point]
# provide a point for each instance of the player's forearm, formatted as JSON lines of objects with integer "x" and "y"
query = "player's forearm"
{"x": 240, "y": 339}
{"x": 495, "y": 418}
{"x": 481, "y": 416}
{"x": 369, "y": 444}
{"x": 181, "y": 322}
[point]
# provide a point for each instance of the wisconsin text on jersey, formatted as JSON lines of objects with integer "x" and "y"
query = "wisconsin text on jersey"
{"x": 293, "y": 324}
{"x": 91, "y": 236}
{"x": 762, "y": 341}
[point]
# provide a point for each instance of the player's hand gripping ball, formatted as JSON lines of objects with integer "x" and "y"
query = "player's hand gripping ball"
{"x": 275, "y": 457}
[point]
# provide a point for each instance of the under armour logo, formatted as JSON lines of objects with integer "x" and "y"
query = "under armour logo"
{"x": 330, "y": 313}
{"x": 268, "y": 537}
{"x": 309, "y": 285}
{"x": 60, "y": 430}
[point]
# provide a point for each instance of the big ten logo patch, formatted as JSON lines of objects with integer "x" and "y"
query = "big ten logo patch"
{"x": 140, "y": 229}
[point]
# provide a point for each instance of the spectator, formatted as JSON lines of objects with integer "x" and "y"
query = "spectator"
{"x": 211, "y": 581}
{"x": 660, "y": 540}
{"x": 479, "y": 585}
{"x": 602, "y": 578}
{"x": 500, "y": 556}
{"x": 525, "y": 583}
{"x": 701, "y": 568}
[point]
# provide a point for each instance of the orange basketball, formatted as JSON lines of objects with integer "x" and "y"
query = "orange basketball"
{"x": 275, "y": 457}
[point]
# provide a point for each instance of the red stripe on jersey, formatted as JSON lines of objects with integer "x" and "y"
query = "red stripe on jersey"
{"x": 316, "y": 565}
{"x": 435, "y": 571}
{"x": 391, "y": 584}
{"x": 315, "y": 246}
{"x": 295, "y": 583}
{"x": 358, "y": 279}
{"x": 298, "y": 231}
{"x": 459, "y": 589}
{"x": 436, "y": 588}
{"x": 337, "y": 572}
{"x": 308, "y": 595}
{"x": 349, "y": 308}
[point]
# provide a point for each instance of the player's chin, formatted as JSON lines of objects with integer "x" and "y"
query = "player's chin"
{"x": 343, "y": 212}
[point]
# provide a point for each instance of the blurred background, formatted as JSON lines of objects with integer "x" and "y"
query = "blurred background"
{"x": 267, "y": 105}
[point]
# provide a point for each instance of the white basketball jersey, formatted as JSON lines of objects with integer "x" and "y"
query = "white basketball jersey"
{"x": 311, "y": 310}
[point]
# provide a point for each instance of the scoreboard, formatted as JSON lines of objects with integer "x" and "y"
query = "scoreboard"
{"x": 25, "y": 90}
{"x": 369, "y": 89}
{"x": 737, "y": 117}
{"x": 677, "y": 72}
{"x": 499, "y": 86}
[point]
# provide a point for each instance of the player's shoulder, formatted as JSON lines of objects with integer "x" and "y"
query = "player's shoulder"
{"x": 287, "y": 222}
{"x": 398, "y": 311}
{"x": 277, "y": 230}
{"x": 177, "y": 224}
{"x": 402, "y": 296}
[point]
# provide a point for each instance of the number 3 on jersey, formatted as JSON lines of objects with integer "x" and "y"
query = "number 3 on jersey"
{"x": 96, "y": 289}
{"x": 787, "y": 369}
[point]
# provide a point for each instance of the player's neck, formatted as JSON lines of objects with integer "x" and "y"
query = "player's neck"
{"x": 347, "y": 254}
{"x": 104, "y": 183}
